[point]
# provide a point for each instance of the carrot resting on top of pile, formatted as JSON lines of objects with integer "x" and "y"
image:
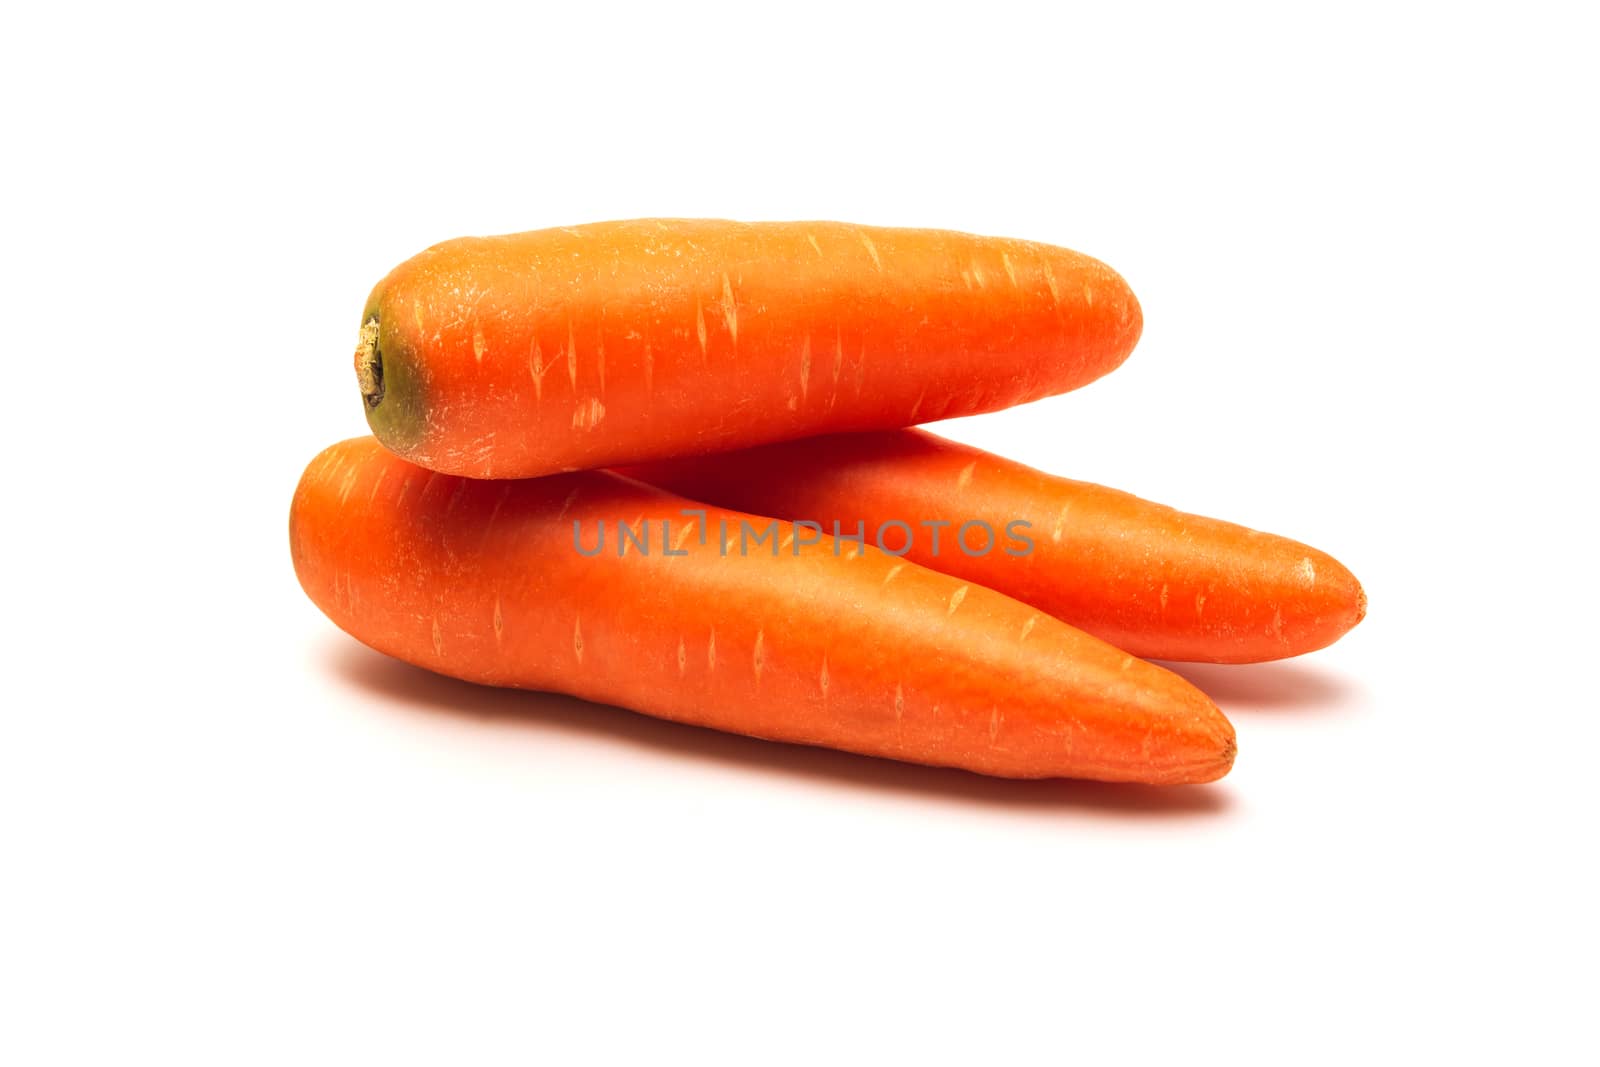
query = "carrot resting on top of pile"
{"x": 519, "y": 356}
{"x": 736, "y": 374}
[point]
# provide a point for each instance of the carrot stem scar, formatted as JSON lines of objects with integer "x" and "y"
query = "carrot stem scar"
{"x": 369, "y": 364}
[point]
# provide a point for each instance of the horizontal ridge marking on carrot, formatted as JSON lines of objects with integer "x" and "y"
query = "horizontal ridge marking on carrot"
{"x": 1157, "y": 582}
{"x": 858, "y": 650}
{"x": 616, "y": 342}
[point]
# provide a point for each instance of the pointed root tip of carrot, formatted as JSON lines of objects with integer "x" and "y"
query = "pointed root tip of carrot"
{"x": 1224, "y": 746}
{"x": 1198, "y": 770}
{"x": 1204, "y": 770}
{"x": 1225, "y": 741}
{"x": 1224, "y": 764}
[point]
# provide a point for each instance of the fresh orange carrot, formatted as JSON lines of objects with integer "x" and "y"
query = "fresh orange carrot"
{"x": 821, "y": 643}
{"x": 568, "y": 349}
{"x": 1149, "y": 579}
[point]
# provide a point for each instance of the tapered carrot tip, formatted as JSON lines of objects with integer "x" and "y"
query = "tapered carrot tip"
{"x": 1328, "y": 604}
{"x": 1201, "y": 745}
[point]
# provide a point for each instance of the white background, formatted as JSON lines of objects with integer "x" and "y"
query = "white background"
{"x": 1365, "y": 240}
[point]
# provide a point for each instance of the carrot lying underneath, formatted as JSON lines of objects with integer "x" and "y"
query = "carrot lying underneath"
{"x": 855, "y": 650}
{"x": 1149, "y": 579}
{"x": 568, "y": 349}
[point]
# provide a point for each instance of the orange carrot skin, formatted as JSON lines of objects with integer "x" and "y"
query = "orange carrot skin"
{"x": 617, "y": 342}
{"x": 856, "y": 650}
{"x": 1154, "y": 581}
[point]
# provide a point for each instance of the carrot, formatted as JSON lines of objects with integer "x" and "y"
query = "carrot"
{"x": 1154, "y": 581}
{"x": 818, "y": 643}
{"x": 569, "y": 349}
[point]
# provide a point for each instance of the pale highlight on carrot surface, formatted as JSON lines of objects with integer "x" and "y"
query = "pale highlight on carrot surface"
{"x": 1150, "y": 579}
{"x": 687, "y": 336}
{"x": 857, "y": 651}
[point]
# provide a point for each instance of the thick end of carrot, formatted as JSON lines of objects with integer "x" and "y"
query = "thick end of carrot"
{"x": 391, "y": 387}
{"x": 369, "y": 364}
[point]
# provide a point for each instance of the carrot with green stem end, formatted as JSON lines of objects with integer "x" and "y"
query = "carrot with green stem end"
{"x": 1149, "y": 579}
{"x": 617, "y": 342}
{"x": 817, "y": 642}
